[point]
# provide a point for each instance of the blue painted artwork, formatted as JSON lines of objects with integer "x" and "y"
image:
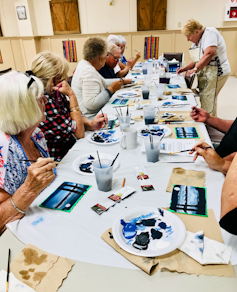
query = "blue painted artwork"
{"x": 179, "y": 97}
{"x": 186, "y": 133}
{"x": 120, "y": 101}
{"x": 105, "y": 137}
{"x": 140, "y": 231}
{"x": 189, "y": 200}
{"x": 153, "y": 130}
{"x": 173, "y": 86}
{"x": 66, "y": 196}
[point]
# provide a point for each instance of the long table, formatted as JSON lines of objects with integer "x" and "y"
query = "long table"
{"x": 77, "y": 234}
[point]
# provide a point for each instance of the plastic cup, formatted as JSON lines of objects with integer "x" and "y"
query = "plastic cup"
{"x": 159, "y": 90}
{"x": 104, "y": 175}
{"x": 124, "y": 122}
{"x": 152, "y": 148}
{"x": 168, "y": 76}
{"x": 144, "y": 68}
{"x": 149, "y": 113}
{"x": 145, "y": 91}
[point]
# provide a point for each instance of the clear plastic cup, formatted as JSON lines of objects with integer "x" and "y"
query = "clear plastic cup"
{"x": 152, "y": 146}
{"x": 149, "y": 113}
{"x": 104, "y": 175}
{"x": 145, "y": 92}
{"x": 124, "y": 122}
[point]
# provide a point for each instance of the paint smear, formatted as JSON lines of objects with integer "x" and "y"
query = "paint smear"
{"x": 37, "y": 221}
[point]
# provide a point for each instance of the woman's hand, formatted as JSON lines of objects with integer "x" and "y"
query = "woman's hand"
{"x": 211, "y": 157}
{"x": 127, "y": 81}
{"x": 40, "y": 175}
{"x": 130, "y": 62}
{"x": 180, "y": 70}
{"x": 99, "y": 122}
{"x": 138, "y": 55}
{"x": 199, "y": 115}
{"x": 64, "y": 88}
{"x": 190, "y": 72}
{"x": 116, "y": 85}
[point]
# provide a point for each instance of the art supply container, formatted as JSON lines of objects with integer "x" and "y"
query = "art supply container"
{"x": 144, "y": 68}
{"x": 168, "y": 76}
{"x": 150, "y": 67}
{"x": 162, "y": 77}
{"x": 145, "y": 92}
{"x": 149, "y": 112}
{"x": 152, "y": 146}
{"x": 104, "y": 175}
{"x": 129, "y": 139}
{"x": 159, "y": 90}
{"x": 124, "y": 122}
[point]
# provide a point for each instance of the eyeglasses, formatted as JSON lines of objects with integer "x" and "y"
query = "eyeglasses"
{"x": 115, "y": 59}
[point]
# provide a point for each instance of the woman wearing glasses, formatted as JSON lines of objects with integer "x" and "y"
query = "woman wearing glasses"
{"x": 91, "y": 89}
{"x": 25, "y": 166}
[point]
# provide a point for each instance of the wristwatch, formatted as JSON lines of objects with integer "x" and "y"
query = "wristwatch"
{"x": 196, "y": 69}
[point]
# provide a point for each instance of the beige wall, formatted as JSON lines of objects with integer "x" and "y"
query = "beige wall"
{"x": 18, "y": 52}
{"x": 96, "y": 16}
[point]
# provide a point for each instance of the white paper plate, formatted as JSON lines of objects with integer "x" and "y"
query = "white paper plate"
{"x": 109, "y": 137}
{"x": 169, "y": 226}
{"x": 83, "y": 162}
{"x": 153, "y": 129}
{"x": 128, "y": 94}
{"x": 171, "y": 102}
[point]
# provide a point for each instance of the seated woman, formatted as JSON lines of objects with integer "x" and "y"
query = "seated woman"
{"x": 64, "y": 122}
{"x": 91, "y": 89}
{"x": 21, "y": 143}
{"x": 229, "y": 200}
{"x": 123, "y": 61}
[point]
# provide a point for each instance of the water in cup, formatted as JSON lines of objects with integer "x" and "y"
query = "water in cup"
{"x": 103, "y": 174}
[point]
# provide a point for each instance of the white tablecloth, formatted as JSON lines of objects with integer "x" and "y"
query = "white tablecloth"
{"x": 76, "y": 235}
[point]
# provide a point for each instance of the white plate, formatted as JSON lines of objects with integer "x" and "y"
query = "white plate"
{"x": 167, "y": 130}
{"x": 129, "y": 94}
{"x": 177, "y": 103}
{"x": 110, "y": 137}
{"x": 169, "y": 226}
{"x": 83, "y": 162}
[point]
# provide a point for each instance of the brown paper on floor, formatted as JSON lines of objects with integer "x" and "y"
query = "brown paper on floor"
{"x": 185, "y": 115}
{"x": 186, "y": 177}
{"x": 177, "y": 260}
{"x": 34, "y": 267}
{"x": 173, "y": 126}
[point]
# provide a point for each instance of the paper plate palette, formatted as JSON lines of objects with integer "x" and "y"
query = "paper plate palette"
{"x": 154, "y": 130}
{"x": 171, "y": 103}
{"x": 148, "y": 232}
{"x": 83, "y": 163}
{"x": 128, "y": 94}
{"x": 104, "y": 137}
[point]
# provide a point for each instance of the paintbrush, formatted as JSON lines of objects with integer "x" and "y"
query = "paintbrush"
{"x": 30, "y": 160}
{"x": 114, "y": 160}
{"x": 151, "y": 141}
{"x": 127, "y": 111}
{"x": 123, "y": 182}
{"x": 99, "y": 159}
{"x": 8, "y": 270}
{"x": 104, "y": 120}
{"x": 176, "y": 161}
{"x": 189, "y": 150}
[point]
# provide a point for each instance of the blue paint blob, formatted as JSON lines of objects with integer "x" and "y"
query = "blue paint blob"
{"x": 199, "y": 237}
{"x": 129, "y": 229}
{"x": 161, "y": 212}
{"x": 39, "y": 219}
{"x": 142, "y": 241}
{"x": 141, "y": 227}
{"x": 162, "y": 225}
{"x": 201, "y": 249}
{"x": 91, "y": 157}
{"x": 147, "y": 222}
{"x": 156, "y": 234}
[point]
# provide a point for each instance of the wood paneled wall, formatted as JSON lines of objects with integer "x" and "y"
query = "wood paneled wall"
{"x": 18, "y": 52}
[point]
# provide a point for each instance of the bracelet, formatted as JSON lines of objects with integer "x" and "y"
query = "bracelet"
{"x": 15, "y": 207}
{"x": 77, "y": 106}
{"x": 196, "y": 69}
{"x": 122, "y": 80}
{"x": 75, "y": 110}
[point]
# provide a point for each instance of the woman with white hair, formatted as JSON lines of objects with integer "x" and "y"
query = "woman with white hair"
{"x": 25, "y": 168}
{"x": 123, "y": 59}
{"x": 91, "y": 89}
{"x": 64, "y": 122}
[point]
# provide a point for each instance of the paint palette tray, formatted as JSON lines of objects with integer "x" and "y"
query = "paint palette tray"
{"x": 83, "y": 163}
{"x": 149, "y": 232}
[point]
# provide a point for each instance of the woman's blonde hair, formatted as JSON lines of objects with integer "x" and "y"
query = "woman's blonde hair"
{"x": 19, "y": 108}
{"x": 191, "y": 26}
{"x": 93, "y": 48}
{"x": 47, "y": 65}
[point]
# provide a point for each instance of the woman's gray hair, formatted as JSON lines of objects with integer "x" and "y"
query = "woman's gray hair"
{"x": 123, "y": 40}
{"x": 19, "y": 108}
{"x": 115, "y": 39}
{"x": 112, "y": 47}
{"x": 93, "y": 48}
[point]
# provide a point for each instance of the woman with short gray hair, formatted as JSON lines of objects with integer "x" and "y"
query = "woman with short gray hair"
{"x": 25, "y": 166}
{"x": 91, "y": 89}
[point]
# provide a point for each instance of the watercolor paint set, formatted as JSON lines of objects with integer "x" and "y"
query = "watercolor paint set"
{"x": 120, "y": 101}
{"x": 186, "y": 133}
{"x": 115, "y": 198}
{"x": 189, "y": 200}
{"x": 143, "y": 179}
{"x": 66, "y": 196}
